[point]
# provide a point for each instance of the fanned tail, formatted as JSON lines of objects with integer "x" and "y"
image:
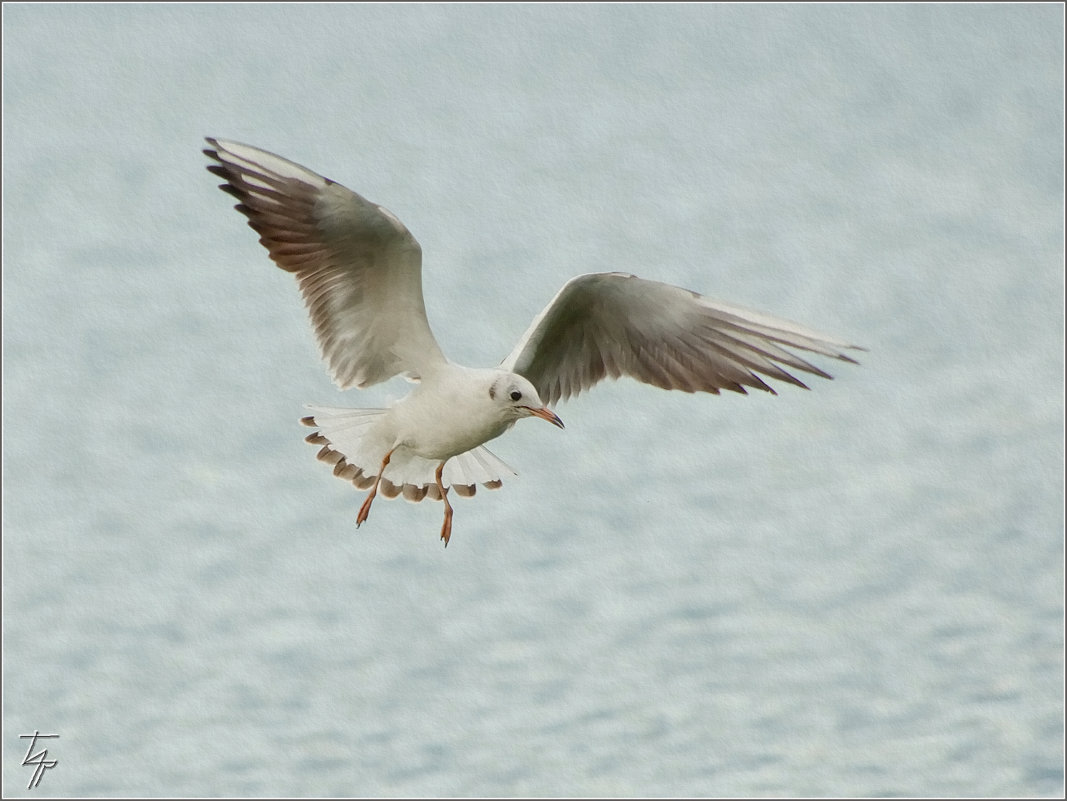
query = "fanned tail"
{"x": 350, "y": 441}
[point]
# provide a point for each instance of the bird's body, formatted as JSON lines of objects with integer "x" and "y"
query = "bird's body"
{"x": 443, "y": 416}
{"x": 359, "y": 269}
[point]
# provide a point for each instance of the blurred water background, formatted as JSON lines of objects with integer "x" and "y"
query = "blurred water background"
{"x": 856, "y": 590}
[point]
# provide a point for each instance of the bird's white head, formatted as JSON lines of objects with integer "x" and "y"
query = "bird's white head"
{"x": 516, "y": 398}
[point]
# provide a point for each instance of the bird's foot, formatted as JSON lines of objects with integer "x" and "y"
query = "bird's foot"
{"x": 364, "y": 511}
{"x": 446, "y": 528}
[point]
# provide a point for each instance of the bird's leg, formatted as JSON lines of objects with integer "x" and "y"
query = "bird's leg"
{"x": 446, "y": 529}
{"x": 364, "y": 510}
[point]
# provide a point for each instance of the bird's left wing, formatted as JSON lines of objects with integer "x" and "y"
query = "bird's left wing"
{"x": 359, "y": 268}
{"x": 614, "y": 324}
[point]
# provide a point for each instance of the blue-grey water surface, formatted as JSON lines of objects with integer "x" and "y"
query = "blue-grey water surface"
{"x": 856, "y": 590}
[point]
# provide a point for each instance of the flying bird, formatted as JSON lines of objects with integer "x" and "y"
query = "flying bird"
{"x": 360, "y": 272}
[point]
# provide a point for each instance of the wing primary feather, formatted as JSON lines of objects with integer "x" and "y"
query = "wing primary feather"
{"x": 358, "y": 267}
{"x": 616, "y": 324}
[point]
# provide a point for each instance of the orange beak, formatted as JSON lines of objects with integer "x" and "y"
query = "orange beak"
{"x": 545, "y": 414}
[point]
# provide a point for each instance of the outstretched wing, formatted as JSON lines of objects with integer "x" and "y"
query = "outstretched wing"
{"x": 359, "y": 268}
{"x": 614, "y": 324}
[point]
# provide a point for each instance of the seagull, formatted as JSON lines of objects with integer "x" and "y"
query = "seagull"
{"x": 360, "y": 272}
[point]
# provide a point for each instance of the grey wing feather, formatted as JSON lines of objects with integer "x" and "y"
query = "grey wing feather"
{"x": 613, "y": 324}
{"x": 359, "y": 268}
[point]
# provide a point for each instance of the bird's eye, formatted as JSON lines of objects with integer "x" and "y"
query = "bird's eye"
{"x": 516, "y": 395}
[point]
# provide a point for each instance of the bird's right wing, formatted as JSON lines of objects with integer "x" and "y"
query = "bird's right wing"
{"x": 359, "y": 268}
{"x": 614, "y": 324}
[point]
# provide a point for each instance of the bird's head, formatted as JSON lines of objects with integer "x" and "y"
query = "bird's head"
{"x": 516, "y": 398}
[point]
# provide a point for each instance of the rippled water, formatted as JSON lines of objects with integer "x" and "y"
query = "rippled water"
{"x": 852, "y": 591}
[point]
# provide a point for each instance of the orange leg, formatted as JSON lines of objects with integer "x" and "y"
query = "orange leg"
{"x": 364, "y": 510}
{"x": 446, "y": 529}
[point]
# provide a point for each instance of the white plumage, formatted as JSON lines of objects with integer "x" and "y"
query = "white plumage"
{"x": 360, "y": 271}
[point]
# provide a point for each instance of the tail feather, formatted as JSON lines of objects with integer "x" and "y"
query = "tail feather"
{"x": 349, "y": 441}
